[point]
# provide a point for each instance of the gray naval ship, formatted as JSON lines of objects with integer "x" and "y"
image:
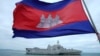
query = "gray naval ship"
{"x": 56, "y": 49}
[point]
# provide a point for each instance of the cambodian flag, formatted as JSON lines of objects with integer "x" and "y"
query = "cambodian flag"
{"x": 36, "y": 19}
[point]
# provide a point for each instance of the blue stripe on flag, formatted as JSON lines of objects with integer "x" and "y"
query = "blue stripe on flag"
{"x": 46, "y": 6}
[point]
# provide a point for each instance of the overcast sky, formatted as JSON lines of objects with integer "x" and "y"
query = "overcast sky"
{"x": 84, "y": 42}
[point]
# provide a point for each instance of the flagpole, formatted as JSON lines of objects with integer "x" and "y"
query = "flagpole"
{"x": 97, "y": 33}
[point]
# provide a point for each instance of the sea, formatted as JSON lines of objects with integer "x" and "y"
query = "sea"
{"x": 23, "y": 53}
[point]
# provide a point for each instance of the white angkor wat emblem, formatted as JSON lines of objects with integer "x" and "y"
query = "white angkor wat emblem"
{"x": 49, "y": 22}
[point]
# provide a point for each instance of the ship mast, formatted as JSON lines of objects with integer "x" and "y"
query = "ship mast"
{"x": 58, "y": 42}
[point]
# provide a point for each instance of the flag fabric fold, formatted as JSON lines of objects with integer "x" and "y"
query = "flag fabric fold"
{"x": 36, "y": 19}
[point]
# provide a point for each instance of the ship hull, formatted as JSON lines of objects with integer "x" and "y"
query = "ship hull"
{"x": 53, "y": 54}
{"x": 49, "y": 52}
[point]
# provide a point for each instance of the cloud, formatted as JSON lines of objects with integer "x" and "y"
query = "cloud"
{"x": 51, "y": 1}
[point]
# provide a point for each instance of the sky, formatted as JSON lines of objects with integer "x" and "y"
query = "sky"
{"x": 84, "y": 42}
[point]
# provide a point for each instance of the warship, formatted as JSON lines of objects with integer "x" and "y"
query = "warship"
{"x": 56, "y": 49}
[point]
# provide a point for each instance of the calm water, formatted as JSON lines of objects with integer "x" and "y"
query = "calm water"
{"x": 22, "y": 53}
